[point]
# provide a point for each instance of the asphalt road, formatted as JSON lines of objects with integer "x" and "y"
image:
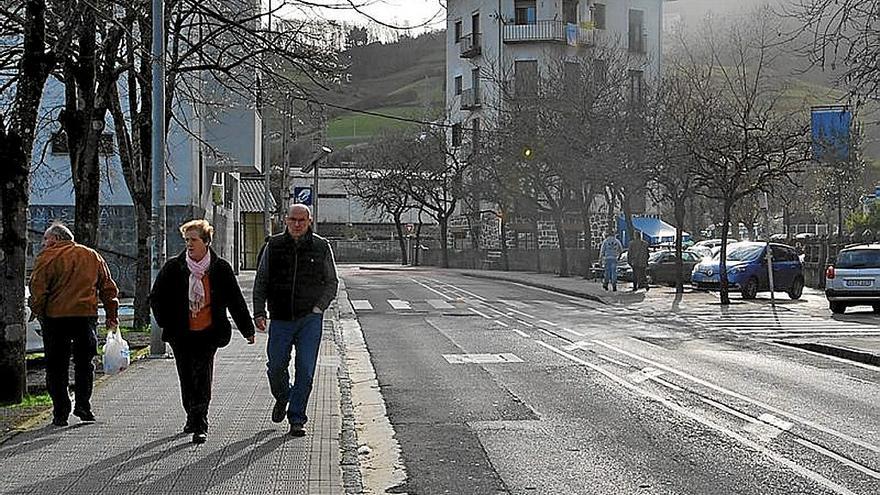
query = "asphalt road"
{"x": 493, "y": 387}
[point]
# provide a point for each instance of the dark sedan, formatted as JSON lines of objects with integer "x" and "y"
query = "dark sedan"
{"x": 661, "y": 266}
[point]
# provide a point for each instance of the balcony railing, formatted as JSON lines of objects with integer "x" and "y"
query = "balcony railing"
{"x": 549, "y": 31}
{"x": 470, "y": 99}
{"x": 469, "y": 45}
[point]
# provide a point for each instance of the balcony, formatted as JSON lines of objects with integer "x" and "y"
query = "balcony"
{"x": 549, "y": 31}
{"x": 469, "y": 45}
{"x": 470, "y": 99}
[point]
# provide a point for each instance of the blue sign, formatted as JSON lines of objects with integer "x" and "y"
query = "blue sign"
{"x": 830, "y": 127}
{"x": 303, "y": 195}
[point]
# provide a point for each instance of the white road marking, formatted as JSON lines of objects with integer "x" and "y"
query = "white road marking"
{"x": 475, "y": 296}
{"x": 717, "y": 388}
{"x": 612, "y": 360}
{"x": 444, "y": 296}
{"x": 645, "y": 374}
{"x": 505, "y": 325}
{"x": 484, "y": 315}
{"x": 801, "y": 470}
{"x": 839, "y": 458}
{"x": 667, "y": 384}
{"x": 573, "y": 332}
{"x": 515, "y": 304}
{"x": 548, "y": 323}
{"x": 577, "y": 345}
{"x": 525, "y": 324}
{"x": 545, "y": 332}
{"x": 361, "y": 304}
{"x": 777, "y": 422}
{"x": 399, "y": 304}
{"x": 521, "y": 333}
{"x": 440, "y": 304}
{"x": 482, "y": 358}
{"x": 521, "y": 313}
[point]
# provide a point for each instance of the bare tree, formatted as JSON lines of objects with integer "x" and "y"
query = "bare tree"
{"x": 844, "y": 36}
{"x": 36, "y": 60}
{"x": 749, "y": 143}
{"x": 379, "y": 181}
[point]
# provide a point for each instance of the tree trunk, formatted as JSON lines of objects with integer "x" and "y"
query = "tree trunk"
{"x": 505, "y": 257}
{"x": 627, "y": 216}
{"x": 16, "y": 145}
{"x": 558, "y": 217}
{"x": 679, "y": 213}
{"x": 417, "y": 249}
{"x": 142, "y": 280}
{"x": 722, "y": 275}
{"x": 14, "y": 201}
{"x": 398, "y": 226}
{"x": 586, "y": 211}
{"x": 444, "y": 247}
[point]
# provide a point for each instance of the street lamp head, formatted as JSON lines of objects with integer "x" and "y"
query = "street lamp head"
{"x": 325, "y": 149}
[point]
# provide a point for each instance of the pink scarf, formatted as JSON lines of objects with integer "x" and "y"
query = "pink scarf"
{"x": 197, "y": 270}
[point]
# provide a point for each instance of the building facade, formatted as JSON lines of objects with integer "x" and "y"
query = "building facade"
{"x": 495, "y": 46}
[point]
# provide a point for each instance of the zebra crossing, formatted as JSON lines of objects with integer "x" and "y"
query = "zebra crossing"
{"x": 780, "y": 324}
{"x": 761, "y": 322}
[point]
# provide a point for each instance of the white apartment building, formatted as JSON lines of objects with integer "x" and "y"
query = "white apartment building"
{"x": 490, "y": 41}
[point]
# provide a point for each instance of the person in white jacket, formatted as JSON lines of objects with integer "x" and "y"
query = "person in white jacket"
{"x": 609, "y": 251}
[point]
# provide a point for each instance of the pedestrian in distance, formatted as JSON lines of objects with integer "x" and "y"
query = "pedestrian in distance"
{"x": 637, "y": 257}
{"x": 296, "y": 276}
{"x": 190, "y": 300}
{"x": 67, "y": 281}
{"x": 609, "y": 251}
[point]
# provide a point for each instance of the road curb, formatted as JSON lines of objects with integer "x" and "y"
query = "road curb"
{"x": 856, "y": 355}
{"x": 567, "y": 292}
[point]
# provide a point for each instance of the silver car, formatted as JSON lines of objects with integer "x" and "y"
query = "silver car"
{"x": 854, "y": 278}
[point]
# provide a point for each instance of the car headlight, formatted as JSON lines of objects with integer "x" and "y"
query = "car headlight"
{"x": 737, "y": 269}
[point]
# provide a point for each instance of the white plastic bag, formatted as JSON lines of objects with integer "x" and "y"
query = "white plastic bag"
{"x": 116, "y": 353}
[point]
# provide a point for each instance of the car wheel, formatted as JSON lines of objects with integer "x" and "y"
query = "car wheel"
{"x": 837, "y": 308}
{"x": 750, "y": 289}
{"x": 797, "y": 288}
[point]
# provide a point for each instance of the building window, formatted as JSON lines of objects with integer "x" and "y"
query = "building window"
{"x": 525, "y": 78}
{"x": 456, "y": 84}
{"x": 599, "y": 15}
{"x": 475, "y": 26}
{"x": 636, "y": 86}
{"x": 569, "y": 11}
{"x": 456, "y": 135}
{"x": 525, "y": 12}
{"x": 457, "y": 31}
{"x": 59, "y": 145}
{"x": 637, "y": 38}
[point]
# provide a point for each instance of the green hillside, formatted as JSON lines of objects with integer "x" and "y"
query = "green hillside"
{"x": 404, "y": 79}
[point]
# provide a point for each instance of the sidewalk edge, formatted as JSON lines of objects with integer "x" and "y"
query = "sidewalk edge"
{"x": 856, "y": 355}
{"x": 559, "y": 290}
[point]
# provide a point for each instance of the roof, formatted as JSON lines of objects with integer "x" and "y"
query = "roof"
{"x": 656, "y": 231}
{"x": 253, "y": 196}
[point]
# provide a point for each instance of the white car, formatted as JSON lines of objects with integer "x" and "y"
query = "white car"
{"x": 854, "y": 278}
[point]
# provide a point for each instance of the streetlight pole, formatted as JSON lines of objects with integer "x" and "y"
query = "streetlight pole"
{"x": 267, "y": 165}
{"x": 157, "y": 346}
{"x": 312, "y": 166}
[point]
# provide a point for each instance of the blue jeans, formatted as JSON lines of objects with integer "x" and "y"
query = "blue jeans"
{"x": 610, "y": 272}
{"x": 304, "y": 335}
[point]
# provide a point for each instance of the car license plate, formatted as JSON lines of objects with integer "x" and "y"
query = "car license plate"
{"x": 859, "y": 283}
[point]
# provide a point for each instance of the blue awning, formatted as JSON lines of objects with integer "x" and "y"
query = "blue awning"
{"x": 653, "y": 230}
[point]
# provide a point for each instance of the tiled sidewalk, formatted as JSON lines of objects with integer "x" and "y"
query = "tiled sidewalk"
{"x": 136, "y": 446}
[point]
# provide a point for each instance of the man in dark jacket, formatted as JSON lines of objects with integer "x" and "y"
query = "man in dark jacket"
{"x": 297, "y": 277}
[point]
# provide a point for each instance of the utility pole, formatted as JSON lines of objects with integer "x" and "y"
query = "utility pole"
{"x": 267, "y": 162}
{"x": 157, "y": 346}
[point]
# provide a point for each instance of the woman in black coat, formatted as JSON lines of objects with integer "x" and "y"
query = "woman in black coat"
{"x": 189, "y": 299}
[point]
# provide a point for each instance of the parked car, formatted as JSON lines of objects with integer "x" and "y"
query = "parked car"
{"x": 854, "y": 278}
{"x": 747, "y": 270}
{"x": 662, "y": 266}
{"x": 701, "y": 251}
{"x": 712, "y": 243}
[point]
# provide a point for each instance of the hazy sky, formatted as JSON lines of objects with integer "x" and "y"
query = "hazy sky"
{"x": 396, "y": 12}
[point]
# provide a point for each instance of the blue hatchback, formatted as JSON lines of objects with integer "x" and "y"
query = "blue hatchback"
{"x": 747, "y": 270}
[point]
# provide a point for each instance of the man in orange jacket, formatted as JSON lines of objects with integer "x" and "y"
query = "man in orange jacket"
{"x": 66, "y": 283}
